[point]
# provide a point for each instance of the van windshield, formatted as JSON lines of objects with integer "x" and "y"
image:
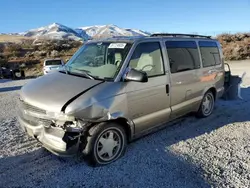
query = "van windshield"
{"x": 101, "y": 60}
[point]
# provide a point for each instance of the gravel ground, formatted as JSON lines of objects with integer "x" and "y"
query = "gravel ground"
{"x": 191, "y": 153}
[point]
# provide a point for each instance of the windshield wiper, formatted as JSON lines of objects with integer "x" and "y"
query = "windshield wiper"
{"x": 86, "y": 74}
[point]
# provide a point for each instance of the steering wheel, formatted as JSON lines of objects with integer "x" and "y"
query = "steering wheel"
{"x": 149, "y": 65}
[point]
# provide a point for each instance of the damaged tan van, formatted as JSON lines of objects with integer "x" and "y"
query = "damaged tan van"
{"x": 115, "y": 90}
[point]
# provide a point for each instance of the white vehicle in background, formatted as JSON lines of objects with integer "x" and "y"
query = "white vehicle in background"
{"x": 50, "y": 65}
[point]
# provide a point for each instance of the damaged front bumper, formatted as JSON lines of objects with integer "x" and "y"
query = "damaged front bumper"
{"x": 54, "y": 139}
{"x": 61, "y": 136}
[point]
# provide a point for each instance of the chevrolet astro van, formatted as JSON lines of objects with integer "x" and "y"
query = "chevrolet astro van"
{"x": 115, "y": 90}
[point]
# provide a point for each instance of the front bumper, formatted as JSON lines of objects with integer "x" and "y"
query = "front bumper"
{"x": 54, "y": 139}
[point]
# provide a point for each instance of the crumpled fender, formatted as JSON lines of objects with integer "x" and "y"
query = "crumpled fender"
{"x": 93, "y": 110}
{"x": 110, "y": 108}
{"x": 107, "y": 101}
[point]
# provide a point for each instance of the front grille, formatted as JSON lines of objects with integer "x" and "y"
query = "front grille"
{"x": 35, "y": 121}
{"x": 38, "y": 121}
{"x": 32, "y": 108}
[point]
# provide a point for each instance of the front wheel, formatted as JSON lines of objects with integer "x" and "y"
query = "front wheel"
{"x": 106, "y": 143}
{"x": 206, "y": 106}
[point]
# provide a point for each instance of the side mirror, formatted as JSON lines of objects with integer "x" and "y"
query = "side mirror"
{"x": 136, "y": 76}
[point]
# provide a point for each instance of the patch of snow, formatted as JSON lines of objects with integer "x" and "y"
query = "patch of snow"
{"x": 59, "y": 31}
{"x": 56, "y": 31}
{"x": 100, "y": 31}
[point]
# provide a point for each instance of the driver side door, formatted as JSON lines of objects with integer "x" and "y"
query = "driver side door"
{"x": 149, "y": 102}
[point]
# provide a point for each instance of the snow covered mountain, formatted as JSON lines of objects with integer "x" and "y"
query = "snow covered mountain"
{"x": 59, "y": 31}
{"x": 56, "y": 31}
{"x": 101, "y": 31}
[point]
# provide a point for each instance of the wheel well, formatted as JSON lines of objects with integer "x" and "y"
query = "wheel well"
{"x": 124, "y": 123}
{"x": 213, "y": 90}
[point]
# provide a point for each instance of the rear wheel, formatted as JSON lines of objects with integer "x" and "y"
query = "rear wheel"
{"x": 206, "y": 106}
{"x": 106, "y": 143}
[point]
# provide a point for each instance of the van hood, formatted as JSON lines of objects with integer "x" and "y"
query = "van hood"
{"x": 52, "y": 91}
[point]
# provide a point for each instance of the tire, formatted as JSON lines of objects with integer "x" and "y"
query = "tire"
{"x": 101, "y": 144}
{"x": 203, "y": 112}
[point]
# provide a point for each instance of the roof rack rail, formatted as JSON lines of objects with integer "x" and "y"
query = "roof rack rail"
{"x": 122, "y": 36}
{"x": 178, "y": 35}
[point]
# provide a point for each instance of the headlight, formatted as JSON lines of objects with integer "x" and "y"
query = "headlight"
{"x": 60, "y": 116}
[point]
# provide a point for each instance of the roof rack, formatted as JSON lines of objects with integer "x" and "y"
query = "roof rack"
{"x": 126, "y": 37}
{"x": 122, "y": 36}
{"x": 178, "y": 35}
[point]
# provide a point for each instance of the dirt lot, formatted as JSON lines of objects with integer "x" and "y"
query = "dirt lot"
{"x": 192, "y": 153}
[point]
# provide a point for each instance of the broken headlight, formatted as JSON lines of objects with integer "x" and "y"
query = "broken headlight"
{"x": 66, "y": 122}
{"x": 76, "y": 126}
{"x": 60, "y": 116}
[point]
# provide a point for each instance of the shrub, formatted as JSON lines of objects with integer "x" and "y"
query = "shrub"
{"x": 14, "y": 50}
{"x": 235, "y": 46}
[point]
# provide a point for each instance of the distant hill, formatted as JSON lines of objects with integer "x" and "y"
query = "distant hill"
{"x": 58, "y": 31}
{"x": 5, "y": 38}
{"x": 101, "y": 31}
{"x": 235, "y": 46}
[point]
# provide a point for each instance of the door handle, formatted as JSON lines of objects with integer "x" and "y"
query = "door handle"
{"x": 167, "y": 89}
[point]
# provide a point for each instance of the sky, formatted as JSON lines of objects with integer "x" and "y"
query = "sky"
{"x": 180, "y": 16}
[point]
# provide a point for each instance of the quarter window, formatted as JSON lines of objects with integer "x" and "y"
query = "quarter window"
{"x": 209, "y": 53}
{"x": 147, "y": 57}
{"x": 183, "y": 55}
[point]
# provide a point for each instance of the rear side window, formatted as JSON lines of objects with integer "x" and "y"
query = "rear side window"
{"x": 209, "y": 53}
{"x": 183, "y": 55}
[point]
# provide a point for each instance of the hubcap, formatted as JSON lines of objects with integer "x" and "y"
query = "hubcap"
{"x": 207, "y": 104}
{"x": 108, "y": 145}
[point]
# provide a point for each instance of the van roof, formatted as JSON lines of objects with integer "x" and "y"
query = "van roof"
{"x": 131, "y": 39}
